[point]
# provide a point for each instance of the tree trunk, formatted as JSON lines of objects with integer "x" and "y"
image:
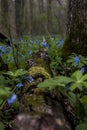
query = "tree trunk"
{"x": 76, "y": 28}
{"x": 4, "y": 16}
{"x": 41, "y": 6}
{"x": 31, "y": 3}
{"x": 49, "y": 15}
{"x": 11, "y": 19}
{"x": 19, "y": 16}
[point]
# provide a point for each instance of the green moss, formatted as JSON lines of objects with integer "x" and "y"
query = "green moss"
{"x": 38, "y": 70}
{"x": 32, "y": 103}
{"x": 42, "y": 63}
{"x": 28, "y": 85}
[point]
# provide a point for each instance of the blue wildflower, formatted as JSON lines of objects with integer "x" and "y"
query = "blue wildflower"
{"x": 77, "y": 60}
{"x": 30, "y": 52}
{"x": 12, "y": 59}
{"x": 12, "y": 99}
{"x": 23, "y": 56}
{"x": 46, "y": 56}
{"x": 60, "y": 43}
{"x": 83, "y": 69}
{"x": 67, "y": 86}
{"x": 19, "y": 85}
{"x": 44, "y": 44}
{"x": 29, "y": 78}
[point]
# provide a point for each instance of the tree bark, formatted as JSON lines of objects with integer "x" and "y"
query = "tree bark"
{"x": 4, "y": 16}
{"x": 31, "y": 3}
{"x": 11, "y": 19}
{"x": 49, "y": 15}
{"x": 76, "y": 27}
{"x": 19, "y": 16}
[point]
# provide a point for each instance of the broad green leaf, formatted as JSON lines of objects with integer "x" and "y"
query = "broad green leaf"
{"x": 63, "y": 79}
{"x": 84, "y": 84}
{"x": 72, "y": 98}
{"x": 10, "y": 73}
{"x": 17, "y": 73}
{"x": 76, "y": 85}
{"x": 20, "y": 72}
{"x": 84, "y": 77}
{"x": 81, "y": 127}
{"x": 77, "y": 75}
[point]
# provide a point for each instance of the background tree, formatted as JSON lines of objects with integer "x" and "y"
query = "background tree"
{"x": 19, "y": 16}
{"x": 4, "y": 16}
{"x": 76, "y": 27}
{"x": 37, "y": 17}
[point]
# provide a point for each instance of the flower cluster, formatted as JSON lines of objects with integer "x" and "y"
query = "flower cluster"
{"x": 4, "y": 49}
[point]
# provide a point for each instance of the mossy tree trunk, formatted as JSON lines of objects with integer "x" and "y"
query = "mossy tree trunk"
{"x": 76, "y": 27}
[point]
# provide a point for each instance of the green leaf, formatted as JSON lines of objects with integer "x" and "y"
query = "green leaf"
{"x": 72, "y": 98}
{"x": 9, "y": 73}
{"x": 1, "y": 126}
{"x": 2, "y": 80}
{"x": 84, "y": 84}
{"x": 50, "y": 83}
{"x": 63, "y": 79}
{"x": 17, "y": 73}
{"x": 4, "y": 92}
{"x": 20, "y": 72}
{"x": 81, "y": 127}
{"x": 77, "y": 75}
{"x": 76, "y": 85}
{"x": 84, "y": 77}
{"x": 84, "y": 99}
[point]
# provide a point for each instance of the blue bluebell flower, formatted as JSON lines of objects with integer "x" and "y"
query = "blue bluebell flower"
{"x": 67, "y": 86}
{"x": 60, "y": 43}
{"x": 30, "y": 52}
{"x": 19, "y": 85}
{"x": 44, "y": 44}
{"x": 12, "y": 99}
{"x": 23, "y": 56}
{"x": 29, "y": 78}
{"x": 77, "y": 60}
{"x": 12, "y": 59}
{"x": 46, "y": 56}
{"x": 83, "y": 69}
{"x": 2, "y": 48}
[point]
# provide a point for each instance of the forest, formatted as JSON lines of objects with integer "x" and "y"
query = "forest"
{"x": 43, "y": 64}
